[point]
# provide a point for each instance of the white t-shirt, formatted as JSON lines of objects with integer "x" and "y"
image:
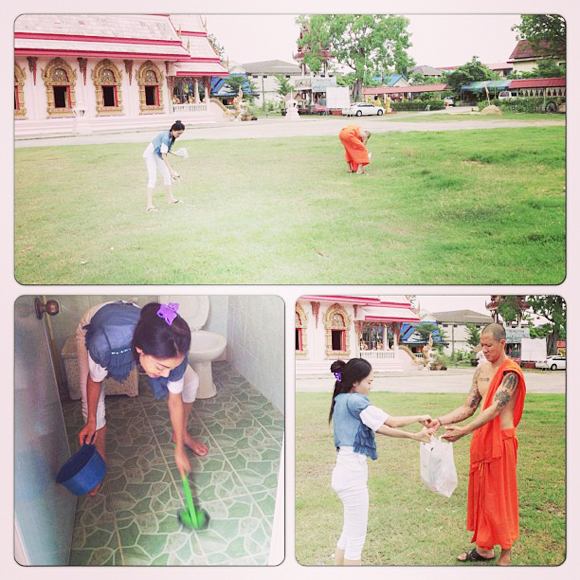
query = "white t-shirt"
{"x": 373, "y": 417}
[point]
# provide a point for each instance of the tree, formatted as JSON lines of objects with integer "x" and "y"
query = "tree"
{"x": 545, "y": 32}
{"x": 473, "y": 335}
{"x": 553, "y": 309}
{"x": 239, "y": 81}
{"x": 470, "y": 72}
{"x": 369, "y": 44}
{"x": 284, "y": 86}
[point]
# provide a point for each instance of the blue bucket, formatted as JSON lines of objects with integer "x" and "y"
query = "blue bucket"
{"x": 83, "y": 471}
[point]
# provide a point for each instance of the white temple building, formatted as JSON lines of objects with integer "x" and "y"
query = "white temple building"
{"x": 87, "y": 73}
{"x": 343, "y": 327}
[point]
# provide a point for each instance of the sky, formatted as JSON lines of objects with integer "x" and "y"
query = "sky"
{"x": 433, "y": 303}
{"x": 438, "y": 40}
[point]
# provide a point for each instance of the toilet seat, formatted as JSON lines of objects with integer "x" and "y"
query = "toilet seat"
{"x": 195, "y": 311}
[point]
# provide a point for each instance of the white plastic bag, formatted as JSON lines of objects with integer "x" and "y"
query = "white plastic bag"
{"x": 182, "y": 152}
{"x": 438, "y": 467}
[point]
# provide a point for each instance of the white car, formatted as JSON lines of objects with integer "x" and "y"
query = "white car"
{"x": 360, "y": 109}
{"x": 553, "y": 363}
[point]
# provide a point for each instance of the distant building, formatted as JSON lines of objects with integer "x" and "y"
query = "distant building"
{"x": 525, "y": 57}
{"x": 403, "y": 92}
{"x": 263, "y": 76}
{"x": 427, "y": 71}
{"x": 454, "y": 324}
{"x": 504, "y": 69}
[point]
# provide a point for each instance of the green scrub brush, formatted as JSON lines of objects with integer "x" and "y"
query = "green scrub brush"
{"x": 190, "y": 517}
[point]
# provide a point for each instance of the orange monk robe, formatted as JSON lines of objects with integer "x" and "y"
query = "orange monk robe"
{"x": 355, "y": 150}
{"x": 492, "y": 496}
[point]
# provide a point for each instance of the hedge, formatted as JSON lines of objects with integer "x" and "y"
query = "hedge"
{"x": 523, "y": 104}
{"x": 418, "y": 105}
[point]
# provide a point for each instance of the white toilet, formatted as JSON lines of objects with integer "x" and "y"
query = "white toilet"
{"x": 205, "y": 346}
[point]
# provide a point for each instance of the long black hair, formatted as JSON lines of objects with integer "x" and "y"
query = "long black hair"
{"x": 177, "y": 126}
{"x": 157, "y": 338}
{"x": 346, "y": 374}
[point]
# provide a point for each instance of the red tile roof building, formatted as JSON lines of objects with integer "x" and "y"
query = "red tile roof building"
{"x": 88, "y": 73}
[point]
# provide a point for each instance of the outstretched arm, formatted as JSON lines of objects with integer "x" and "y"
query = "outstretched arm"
{"x": 503, "y": 396}
{"x": 407, "y": 420}
{"x": 467, "y": 409}
{"x": 400, "y": 434}
{"x": 176, "y": 414}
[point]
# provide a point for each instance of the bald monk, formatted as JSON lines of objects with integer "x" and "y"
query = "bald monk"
{"x": 354, "y": 140}
{"x": 492, "y": 496}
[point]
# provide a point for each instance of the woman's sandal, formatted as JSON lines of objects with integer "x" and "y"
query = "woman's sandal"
{"x": 151, "y": 209}
{"x": 474, "y": 556}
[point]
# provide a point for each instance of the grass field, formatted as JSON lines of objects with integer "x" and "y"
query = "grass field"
{"x": 409, "y": 525}
{"x": 461, "y": 207}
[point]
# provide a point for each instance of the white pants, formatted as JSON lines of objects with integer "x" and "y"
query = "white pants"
{"x": 190, "y": 382}
{"x": 349, "y": 481}
{"x": 154, "y": 162}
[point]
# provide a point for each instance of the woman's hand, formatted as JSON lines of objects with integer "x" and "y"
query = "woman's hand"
{"x": 423, "y": 436}
{"x": 425, "y": 420}
{"x": 181, "y": 461}
{"x": 87, "y": 433}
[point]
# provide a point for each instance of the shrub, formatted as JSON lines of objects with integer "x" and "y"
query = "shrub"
{"x": 523, "y": 104}
{"x": 418, "y": 105}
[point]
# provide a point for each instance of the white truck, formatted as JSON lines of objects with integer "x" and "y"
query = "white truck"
{"x": 337, "y": 98}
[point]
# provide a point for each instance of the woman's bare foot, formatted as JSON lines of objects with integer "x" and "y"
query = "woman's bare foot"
{"x": 505, "y": 558}
{"x": 150, "y": 209}
{"x": 196, "y": 446}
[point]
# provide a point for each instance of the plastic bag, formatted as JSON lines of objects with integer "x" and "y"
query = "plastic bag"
{"x": 438, "y": 467}
{"x": 182, "y": 152}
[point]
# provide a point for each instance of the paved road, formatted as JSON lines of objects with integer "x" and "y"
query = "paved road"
{"x": 305, "y": 127}
{"x": 450, "y": 381}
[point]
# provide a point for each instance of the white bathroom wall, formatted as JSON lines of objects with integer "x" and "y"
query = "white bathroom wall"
{"x": 256, "y": 343}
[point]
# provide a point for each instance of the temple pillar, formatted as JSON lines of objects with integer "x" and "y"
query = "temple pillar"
{"x": 196, "y": 90}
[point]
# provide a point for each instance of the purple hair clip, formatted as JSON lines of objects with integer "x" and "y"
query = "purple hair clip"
{"x": 168, "y": 312}
{"x": 338, "y": 377}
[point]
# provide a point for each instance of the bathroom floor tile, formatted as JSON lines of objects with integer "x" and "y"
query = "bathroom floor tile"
{"x": 158, "y": 538}
{"x": 96, "y": 545}
{"x": 238, "y": 532}
{"x": 133, "y": 521}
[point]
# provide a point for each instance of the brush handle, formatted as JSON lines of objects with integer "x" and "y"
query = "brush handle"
{"x": 189, "y": 499}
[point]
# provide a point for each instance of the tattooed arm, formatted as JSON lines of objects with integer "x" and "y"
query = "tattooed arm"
{"x": 467, "y": 409}
{"x": 504, "y": 394}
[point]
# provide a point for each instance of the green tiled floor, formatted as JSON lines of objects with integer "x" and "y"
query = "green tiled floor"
{"x": 132, "y": 521}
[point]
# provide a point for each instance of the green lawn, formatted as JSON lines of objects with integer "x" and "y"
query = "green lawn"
{"x": 409, "y": 525}
{"x": 461, "y": 207}
{"x": 506, "y": 115}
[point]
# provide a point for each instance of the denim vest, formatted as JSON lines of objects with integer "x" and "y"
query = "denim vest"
{"x": 162, "y": 138}
{"x": 349, "y": 430}
{"x": 109, "y": 340}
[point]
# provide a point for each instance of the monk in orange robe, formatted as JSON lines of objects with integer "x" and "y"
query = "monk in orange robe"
{"x": 492, "y": 497}
{"x": 354, "y": 141}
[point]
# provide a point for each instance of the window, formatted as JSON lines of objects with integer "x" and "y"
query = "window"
{"x": 150, "y": 81}
{"x": 337, "y": 339}
{"x": 109, "y": 97}
{"x": 60, "y": 97}
{"x": 59, "y": 79}
{"x": 151, "y": 96}
{"x": 337, "y": 324}
{"x": 300, "y": 331}
{"x": 19, "y": 78}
